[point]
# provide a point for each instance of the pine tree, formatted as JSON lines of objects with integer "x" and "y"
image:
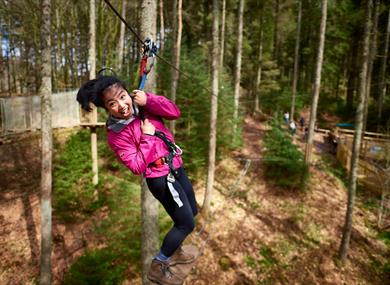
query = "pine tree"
{"x": 149, "y": 205}
{"x": 214, "y": 111}
{"x": 47, "y": 148}
{"x": 352, "y": 177}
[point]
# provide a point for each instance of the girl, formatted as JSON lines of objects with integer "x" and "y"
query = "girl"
{"x": 142, "y": 146}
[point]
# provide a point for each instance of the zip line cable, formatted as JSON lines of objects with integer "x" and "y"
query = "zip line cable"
{"x": 158, "y": 56}
{"x": 142, "y": 42}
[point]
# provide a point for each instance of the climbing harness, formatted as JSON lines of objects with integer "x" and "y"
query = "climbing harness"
{"x": 149, "y": 51}
{"x": 174, "y": 150}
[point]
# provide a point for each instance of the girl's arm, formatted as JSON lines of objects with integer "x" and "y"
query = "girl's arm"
{"x": 136, "y": 158}
{"x": 161, "y": 106}
{"x": 156, "y": 105}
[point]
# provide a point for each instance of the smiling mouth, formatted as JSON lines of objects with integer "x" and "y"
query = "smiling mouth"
{"x": 125, "y": 111}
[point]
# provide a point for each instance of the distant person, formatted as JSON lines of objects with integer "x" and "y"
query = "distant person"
{"x": 286, "y": 117}
{"x": 293, "y": 127}
{"x": 147, "y": 148}
{"x": 302, "y": 122}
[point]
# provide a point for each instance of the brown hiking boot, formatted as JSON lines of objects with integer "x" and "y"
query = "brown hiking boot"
{"x": 181, "y": 257}
{"x": 160, "y": 273}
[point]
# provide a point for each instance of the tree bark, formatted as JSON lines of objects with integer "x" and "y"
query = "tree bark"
{"x": 237, "y": 75}
{"x": 47, "y": 147}
{"x": 344, "y": 246}
{"x": 162, "y": 27}
{"x": 276, "y": 31}
{"x": 296, "y": 60}
{"x": 92, "y": 74}
{"x": 2, "y": 64}
{"x": 222, "y": 33}
{"x": 149, "y": 205}
{"x": 121, "y": 42}
{"x": 317, "y": 83}
{"x": 176, "y": 54}
{"x": 259, "y": 65}
{"x": 371, "y": 59}
{"x": 382, "y": 72}
{"x": 214, "y": 111}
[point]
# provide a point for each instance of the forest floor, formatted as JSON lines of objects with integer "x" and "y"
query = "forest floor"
{"x": 259, "y": 233}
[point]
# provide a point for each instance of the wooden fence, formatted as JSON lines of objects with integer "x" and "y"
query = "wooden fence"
{"x": 19, "y": 114}
{"x": 374, "y": 148}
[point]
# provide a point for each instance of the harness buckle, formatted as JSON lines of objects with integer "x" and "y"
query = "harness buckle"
{"x": 171, "y": 178}
{"x": 178, "y": 150}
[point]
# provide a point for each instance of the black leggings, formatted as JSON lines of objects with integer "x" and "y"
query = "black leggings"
{"x": 182, "y": 217}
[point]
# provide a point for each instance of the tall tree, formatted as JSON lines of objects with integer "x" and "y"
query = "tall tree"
{"x": 162, "y": 27}
{"x": 222, "y": 33}
{"x": 92, "y": 74}
{"x": 370, "y": 64}
{"x": 276, "y": 30}
{"x": 382, "y": 72}
{"x": 296, "y": 59}
{"x": 47, "y": 147}
{"x": 177, "y": 31}
{"x": 344, "y": 246}
{"x": 214, "y": 110}
{"x": 149, "y": 205}
{"x": 121, "y": 42}
{"x": 259, "y": 65}
{"x": 317, "y": 82}
{"x": 237, "y": 75}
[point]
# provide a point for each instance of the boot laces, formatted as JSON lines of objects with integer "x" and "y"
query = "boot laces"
{"x": 166, "y": 271}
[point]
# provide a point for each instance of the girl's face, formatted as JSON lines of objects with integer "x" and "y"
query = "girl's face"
{"x": 118, "y": 102}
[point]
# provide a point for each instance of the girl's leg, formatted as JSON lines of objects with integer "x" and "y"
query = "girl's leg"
{"x": 182, "y": 217}
{"x": 187, "y": 187}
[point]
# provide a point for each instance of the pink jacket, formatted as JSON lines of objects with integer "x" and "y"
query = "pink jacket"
{"x": 137, "y": 150}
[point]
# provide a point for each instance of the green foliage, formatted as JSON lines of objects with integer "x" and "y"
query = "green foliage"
{"x": 385, "y": 236}
{"x": 72, "y": 178}
{"x": 192, "y": 129}
{"x": 96, "y": 267}
{"x": 122, "y": 227}
{"x": 274, "y": 102}
{"x": 284, "y": 162}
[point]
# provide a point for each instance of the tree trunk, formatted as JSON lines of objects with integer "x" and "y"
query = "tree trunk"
{"x": 92, "y": 74}
{"x": 353, "y": 68}
{"x": 371, "y": 59}
{"x": 382, "y": 72}
{"x": 47, "y": 147}
{"x": 2, "y": 64}
{"x": 222, "y": 33}
{"x": 121, "y": 42}
{"x": 162, "y": 27}
{"x": 214, "y": 111}
{"x": 276, "y": 31}
{"x": 317, "y": 83}
{"x": 176, "y": 54}
{"x": 149, "y": 205}
{"x": 259, "y": 66}
{"x": 237, "y": 76}
{"x": 296, "y": 60}
{"x": 357, "y": 138}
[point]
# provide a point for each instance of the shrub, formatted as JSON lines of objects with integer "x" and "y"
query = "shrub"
{"x": 284, "y": 162}
{"x": 72, "y": 178}
{"x": 95, "y": 267}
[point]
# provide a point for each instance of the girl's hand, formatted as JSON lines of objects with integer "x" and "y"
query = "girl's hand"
{"x": 147, "y": 127}
{"x": 139, "y": 97}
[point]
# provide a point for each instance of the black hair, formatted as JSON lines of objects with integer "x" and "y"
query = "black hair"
{"x": 93, "y": 90}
